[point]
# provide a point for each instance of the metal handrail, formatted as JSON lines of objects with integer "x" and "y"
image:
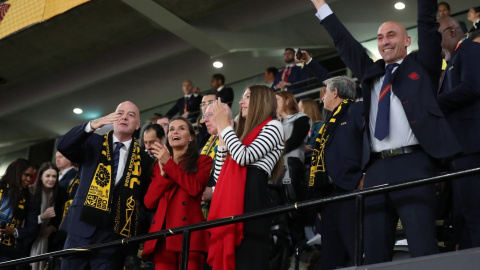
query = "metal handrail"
{"x": 186, "y": 230}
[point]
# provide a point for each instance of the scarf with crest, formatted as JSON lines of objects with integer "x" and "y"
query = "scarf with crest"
{"x": 72, "y": 190}
{"x": 318, "y": 175}
{"x": 115, "y": 205}
{"x": 13, "y": 217}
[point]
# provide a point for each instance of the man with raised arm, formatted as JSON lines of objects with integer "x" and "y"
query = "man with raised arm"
{"x": 407, "y": 130}
{"x": 113, "y": 181}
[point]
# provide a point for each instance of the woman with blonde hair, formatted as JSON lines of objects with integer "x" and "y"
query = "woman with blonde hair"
{"x": 245, "y": 161}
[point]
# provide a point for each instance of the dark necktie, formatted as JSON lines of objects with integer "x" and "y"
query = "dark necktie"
{"x": 382, "y": 125}
{"x": 116, "y": 158}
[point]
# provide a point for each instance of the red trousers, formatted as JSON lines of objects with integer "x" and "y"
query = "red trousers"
{"x": 170, "y": 260}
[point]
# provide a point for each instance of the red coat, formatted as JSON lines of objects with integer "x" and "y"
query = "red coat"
{"x": 178, "y": 200}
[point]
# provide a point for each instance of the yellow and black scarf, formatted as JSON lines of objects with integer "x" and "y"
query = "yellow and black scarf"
{"x": 9, "y": 243}
{"x": 72, "y": 190}
{"x": 318, "y": 176}
{"x": 210, "y": 148}
{"x": 107, "y": 203}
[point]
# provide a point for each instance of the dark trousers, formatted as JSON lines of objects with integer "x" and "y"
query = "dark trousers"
{"x": 108, "y": 258}
{"x": 466, "y": 191}
{"x": 338, "y": 233}
{"x": 253, "y": 251}
{"x": 414, "y": 206}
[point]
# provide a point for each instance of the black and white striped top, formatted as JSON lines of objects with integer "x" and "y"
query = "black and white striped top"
{"x": 263, "y": 152}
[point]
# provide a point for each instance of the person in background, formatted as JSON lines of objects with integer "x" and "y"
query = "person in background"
{"x": 67, "y": 171}
{"x": 473, "y": 16}
{"x": 309, "y": 107}
{"x": 178, "y": 180}
{"x": 163, "y": 122}
{"x": 269, "y": 76}
{"x": 187, "y": 106}
{"x": 296, "y": 126}
{"x": 153, "y": 133}
{"x": 458, "y": 97}
{"x": 254, "y": 152}
{"x": 292, "y": 77}
{"x": 50, "y": 198}
{"x": 17, "y": 207}
{"x": 445, "y": 11}
{"x": 224, "y": 93}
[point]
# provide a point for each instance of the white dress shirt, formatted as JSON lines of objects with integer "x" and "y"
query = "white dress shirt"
{"x": 400, "y": 134}
{"x": 123, "y": 153}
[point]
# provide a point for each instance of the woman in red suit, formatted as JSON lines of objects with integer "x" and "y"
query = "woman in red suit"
{"x": 176, "y": 191}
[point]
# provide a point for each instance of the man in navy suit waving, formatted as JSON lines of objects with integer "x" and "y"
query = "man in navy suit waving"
{"x": 406, "y": 128}
{"x": 113, "y": 182}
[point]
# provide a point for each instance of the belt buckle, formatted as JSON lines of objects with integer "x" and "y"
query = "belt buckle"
{"x": 387, "y": 153}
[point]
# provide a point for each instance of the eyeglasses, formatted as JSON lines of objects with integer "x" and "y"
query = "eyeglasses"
{"x": 164, "y": 124}
{"x": 203, "y": 104}
{"x": 447, "y": 29}
{"x": 206, "y": 116}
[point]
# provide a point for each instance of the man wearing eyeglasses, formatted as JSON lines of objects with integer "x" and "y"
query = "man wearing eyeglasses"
{"x": 210, "y": 149}
{"x": 203, "y": 135}
{"x": 459, "y": 98}
{"x": 293, "y": 77}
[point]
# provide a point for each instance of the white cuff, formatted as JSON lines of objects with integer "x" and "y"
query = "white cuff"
{"x": 323, "y": 12}
{"x": 225, "y": 130}
{"x": 88, "y": 128}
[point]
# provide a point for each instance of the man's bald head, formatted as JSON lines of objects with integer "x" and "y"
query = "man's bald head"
{"x": 392, "y": 41}
{"x": 451, "y": 35}
{"x": 128, "y": 122}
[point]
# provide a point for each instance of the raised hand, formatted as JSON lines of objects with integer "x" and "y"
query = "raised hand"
{"x": 106, "y": 120}
{"x": 161, "y": 152}
{"x": 48, "y": 213}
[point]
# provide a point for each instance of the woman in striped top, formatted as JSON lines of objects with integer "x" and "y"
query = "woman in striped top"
{"x": 245, "y": 161}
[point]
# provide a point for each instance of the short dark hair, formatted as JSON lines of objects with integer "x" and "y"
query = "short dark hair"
{"x": 220, "y": 77}
{"x": 290, "y": 49}
{"x": 273, "y": 70}
{"x": 477, "y": 9}
{"x": 445, "y": 4}
{"x": 165, "y": 116}
{"x": 158, "y": 130}
{"x": 210, "y": 93}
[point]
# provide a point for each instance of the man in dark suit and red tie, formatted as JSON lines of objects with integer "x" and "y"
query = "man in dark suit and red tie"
{"x": 293, "y": 77}
{"x": 187, "y": 106}
{"x": 459, "y": 99}
{"x": 406, "y": 128}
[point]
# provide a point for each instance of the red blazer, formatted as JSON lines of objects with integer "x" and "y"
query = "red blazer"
{"x": 178, "y": 200}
